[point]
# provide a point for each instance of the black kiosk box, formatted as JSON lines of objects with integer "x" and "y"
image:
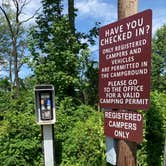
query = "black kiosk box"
{"x": 45, "y": 104}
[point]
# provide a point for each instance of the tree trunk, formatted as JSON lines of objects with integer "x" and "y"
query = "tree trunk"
{"x": 126, "y": 153}
{"x": 127, "y": 8}
{"x": 126, "y": 150}
{"x": 10, "y": 73}
{"x": 71, "y": 15}
{"x": 16, "y": 79}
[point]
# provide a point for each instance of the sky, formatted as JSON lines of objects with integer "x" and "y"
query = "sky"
{"x": 103, "y": 11}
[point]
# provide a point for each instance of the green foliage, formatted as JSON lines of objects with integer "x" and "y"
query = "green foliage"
{"x": 79, "y": 135}
{"x": 85, "y": 143}
{"x": 57, "y": 62}
{"x": 88, "y": 78}
{"x": 159, "y": 60}
{"x": 56, "y": 53}
{"x": 13, "y": 41}
{"x": 79, "y": 138}
{"x": 151, "y": 150}
{"x": 4, "y": 101}
{"x": 4, "y": 84}
{"x": 59, "y": 58}
{"x": 20, "y": 143}
{"x": 20, "y": 138}
{"x": 5, "y": 43}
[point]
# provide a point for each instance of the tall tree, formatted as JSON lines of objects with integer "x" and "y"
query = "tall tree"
{"x": 6, "y": 47}
{"x": 159, "y": 60}
{"x": 55, "y": 49}
{"x": 16, "y": 32}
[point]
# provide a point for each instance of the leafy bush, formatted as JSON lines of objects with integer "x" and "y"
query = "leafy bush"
{"x": 151, "y": 150}
{"x": 79, "y": 138}
{"x": 79, "y": 135}
{"x": 20, "y": 138}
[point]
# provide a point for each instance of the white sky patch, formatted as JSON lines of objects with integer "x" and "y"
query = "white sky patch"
{"x": 26, "y": 71}
{"x": 158, "y": 19}
{"x": 99, "y": 9}
{"x": 94, "y": 51}
{"x": 2, "y": 73}
{"x": 29, "y": 9}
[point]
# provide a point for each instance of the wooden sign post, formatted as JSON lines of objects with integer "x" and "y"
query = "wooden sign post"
{"x": 124, "y": 77}
{"x": 126, "y": 147}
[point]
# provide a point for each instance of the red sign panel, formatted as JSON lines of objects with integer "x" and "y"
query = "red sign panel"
{"x": 125, "y": 62}
{"x": 124, "y": 125}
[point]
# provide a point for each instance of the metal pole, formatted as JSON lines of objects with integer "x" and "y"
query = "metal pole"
{"x": 48, "y": 144}
{"x": 126, "y": 150}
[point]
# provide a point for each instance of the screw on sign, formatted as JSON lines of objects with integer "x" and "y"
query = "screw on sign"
{"x": 125, "y": 62}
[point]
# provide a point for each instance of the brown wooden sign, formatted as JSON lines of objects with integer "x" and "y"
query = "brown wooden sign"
{"x": 125, "y": 125}
{"x": 125, "y": 62}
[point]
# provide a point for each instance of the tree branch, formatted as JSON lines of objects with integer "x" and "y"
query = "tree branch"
{"x": 8, "y": 22}
{"x": 26, "y": 20}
